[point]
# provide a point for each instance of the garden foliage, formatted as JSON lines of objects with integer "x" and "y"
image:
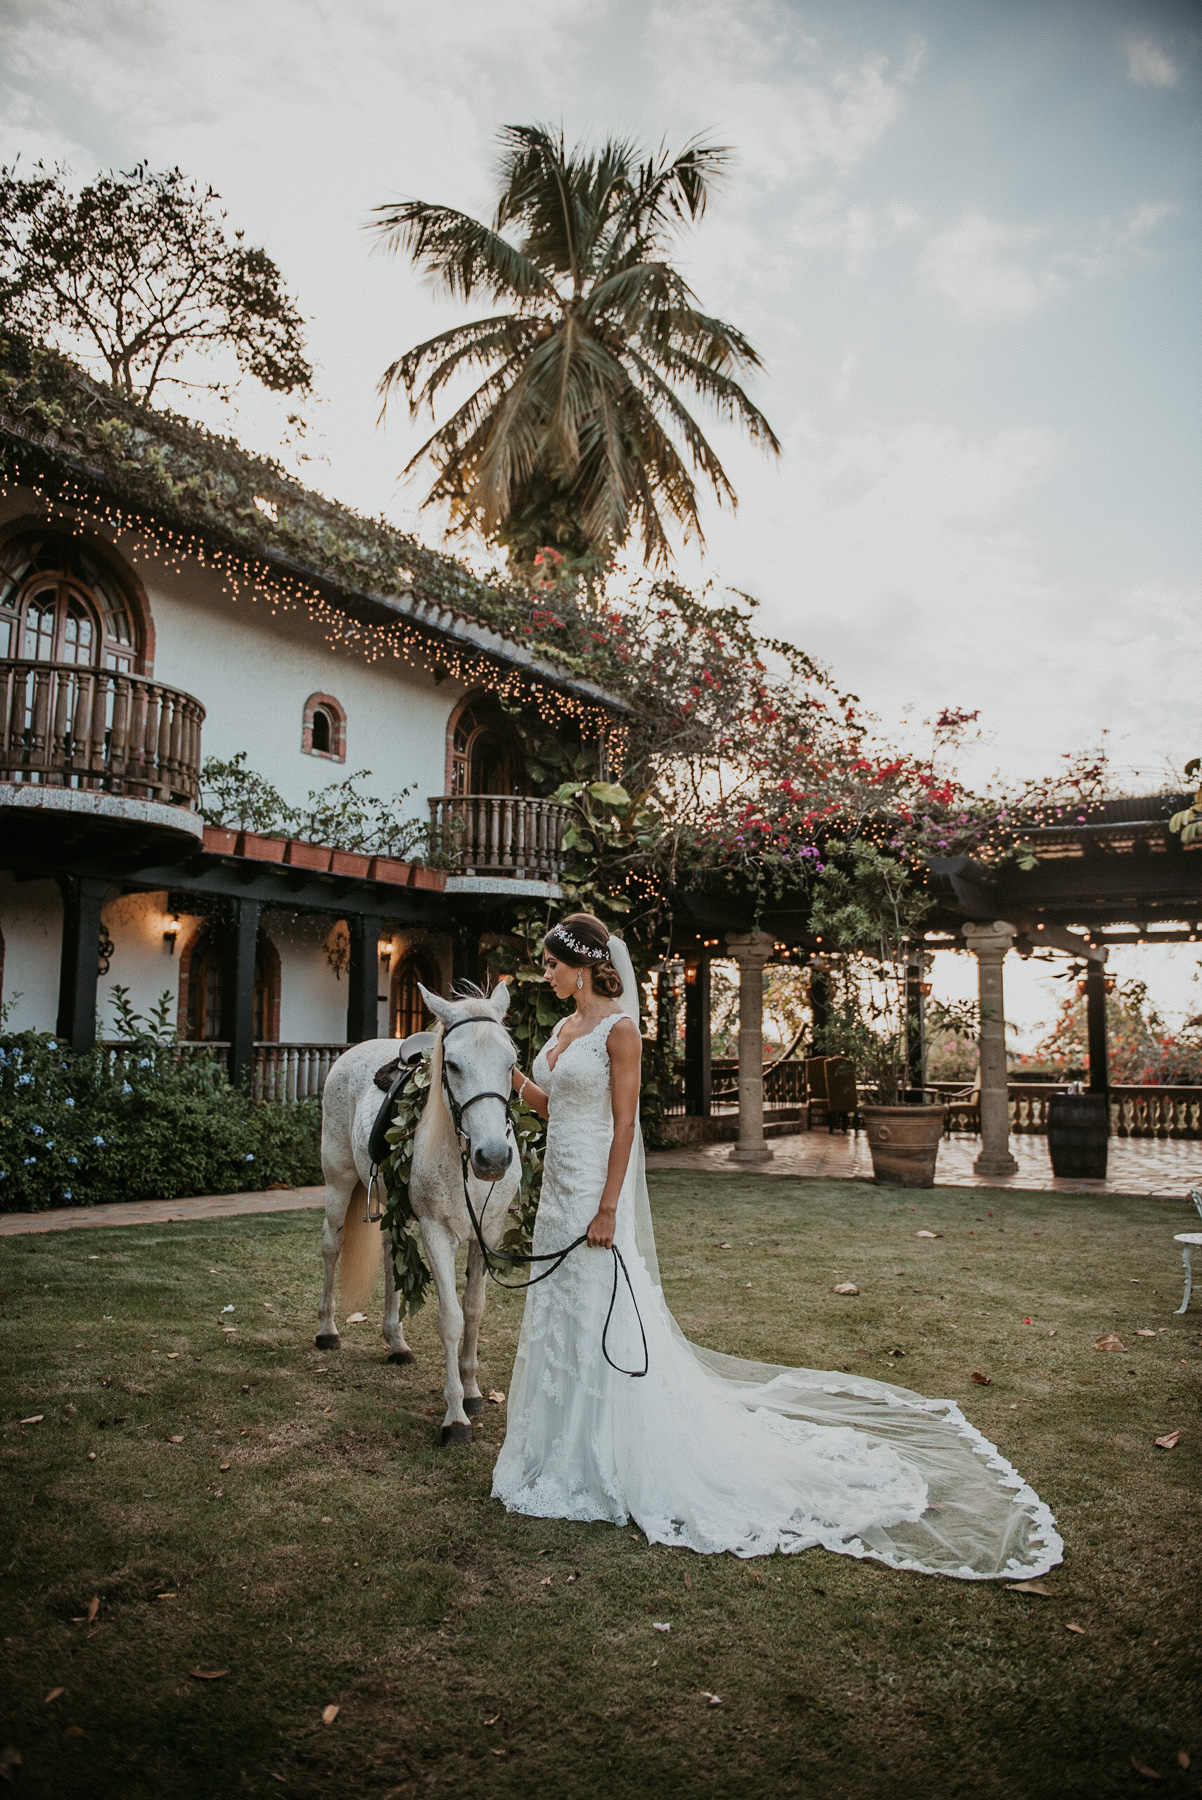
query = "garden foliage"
{"x": 158, "y": 1122}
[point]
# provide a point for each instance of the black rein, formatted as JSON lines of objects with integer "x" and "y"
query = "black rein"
{"x": 554, "y": 1257}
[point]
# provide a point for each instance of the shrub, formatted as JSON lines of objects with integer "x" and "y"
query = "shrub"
{"x": 156, "y": 1122}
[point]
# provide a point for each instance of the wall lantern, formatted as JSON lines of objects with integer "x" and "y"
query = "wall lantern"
{"x": 385, "y": 949}
{"x": 170, "y": 933}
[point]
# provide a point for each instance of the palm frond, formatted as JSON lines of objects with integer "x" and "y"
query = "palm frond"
{"x": 458, "y": 253}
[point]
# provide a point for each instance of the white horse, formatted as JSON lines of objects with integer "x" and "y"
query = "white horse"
{"x": 478, "y": 1060}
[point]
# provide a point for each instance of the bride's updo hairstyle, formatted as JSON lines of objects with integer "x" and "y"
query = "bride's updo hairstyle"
{"x": 582, "y": 942}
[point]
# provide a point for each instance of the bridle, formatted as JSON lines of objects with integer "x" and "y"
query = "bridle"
{"x": 554, "y": 1257}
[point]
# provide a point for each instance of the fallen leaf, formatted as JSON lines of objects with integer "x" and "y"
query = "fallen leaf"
{"x": 498, "y": 1752}
{"x": 177, "y": 1438}
{"x": 34, "y": 1419}
{"x": 226, "y": 1309}
{"x": 329, "y": 1714}
{"x": 172, "y": 1355}
{"x": 1029, "y": 1587}
{"x": 53, "y": 1695}
{"x": 845, "y": 1287}
{"x": 1170, "y": 1442}
{"x": 208, "y": 1674}
{"x": 724, "y": 1246}
{"x": 169, "y": 1595}
{"x": 357, "y": 1319}
{"x": 546, "y": 1581}
{"x": 272, "y": 1776}
{"x": 928, "y": 1234}
{"x": 1144, "y": 1770}
{"x": 688, "y": 1580}
{"x": 1111, "y": 1341}
{"x": 91, "y": 1456}
{"x": 93, "y": 1607}
{"x": 73, "y": 1731}
{"x": 1183, "y": 1758}
{"x": 496, "y": 1396}
{"x": 493, "y": 1720}
{"x": 223, "y": 1467}
{"x": 714, "y": 1699}
{"x": 655, "y": 1626}
{"x": 1052, "y": 1332}
{"x": 982, "y": 1380}
{"x": 1079, "y": 1629}
{"x": 1142, "y": 1331}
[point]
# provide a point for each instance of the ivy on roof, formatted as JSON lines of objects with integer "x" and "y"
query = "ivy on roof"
{"x": 158, "y": 463}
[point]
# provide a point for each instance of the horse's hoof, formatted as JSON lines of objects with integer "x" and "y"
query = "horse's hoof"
{"x": 328, "y": 1341}
{"x": 473, "y": 1404}
{"x": 456, "y": 1433}
{"x": 401, "y": 1356}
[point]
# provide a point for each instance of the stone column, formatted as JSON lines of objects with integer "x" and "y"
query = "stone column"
{"x": 751, "y": 950}
{"x": 989, "y": 943}
{"x": 238, "y": 990}
{"x": 83, "y": 897}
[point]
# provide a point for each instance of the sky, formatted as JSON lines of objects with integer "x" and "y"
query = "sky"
{"x": 963, "y": 235}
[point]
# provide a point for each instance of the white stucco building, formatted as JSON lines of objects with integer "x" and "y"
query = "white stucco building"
{"x": 178, "y": 601}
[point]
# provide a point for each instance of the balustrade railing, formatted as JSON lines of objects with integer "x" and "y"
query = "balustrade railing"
{"x": 500, "y": 834}
{"x": 1165, "y": 1112}
{"x": 62, "y": 725}
{"x": 288, "y": 1072}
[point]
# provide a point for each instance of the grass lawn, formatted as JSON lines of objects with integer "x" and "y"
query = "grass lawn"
{"x": 304, "y": 1533}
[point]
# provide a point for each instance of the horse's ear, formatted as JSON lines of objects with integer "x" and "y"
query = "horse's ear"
{"x": 442, "y": 1009}
{"x": 499, "y": 999}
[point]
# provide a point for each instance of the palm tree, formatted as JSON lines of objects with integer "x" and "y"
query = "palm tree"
{"x": 571, "y": 439}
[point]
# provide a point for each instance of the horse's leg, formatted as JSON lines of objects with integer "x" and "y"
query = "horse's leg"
{"x": 473, "y": 1312}
{"x": 393, "y": 1329}
{"x": 440, "y": 1251}
{"x": 339, "y": 1190}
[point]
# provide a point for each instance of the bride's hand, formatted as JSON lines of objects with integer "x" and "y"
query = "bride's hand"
{"x": 600, "y": 1233}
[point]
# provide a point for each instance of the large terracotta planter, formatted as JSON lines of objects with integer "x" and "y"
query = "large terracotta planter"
{"x": 220, "y": 842}
{"x": 263, "y": 849}
{"x": 307, "y": 856}
{"x": 904, "y": 1141}
{"x": 349, "y": 862}
{"x": 435, "y": 879}
{"x": 385, "y": 868}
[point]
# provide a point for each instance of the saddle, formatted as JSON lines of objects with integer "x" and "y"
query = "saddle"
{"x": 392, "y": 1078}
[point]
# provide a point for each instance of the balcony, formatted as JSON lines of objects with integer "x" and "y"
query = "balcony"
{"x": 499, "y": 843}
{"x": 85, "y": 749}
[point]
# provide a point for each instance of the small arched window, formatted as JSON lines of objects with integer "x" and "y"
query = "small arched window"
{"x": 58, "y": 603}
{"x": 407, "y": 1012}
{"x": 323, "y": 732}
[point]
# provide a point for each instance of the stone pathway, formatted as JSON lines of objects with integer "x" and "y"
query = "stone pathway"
{"x": 162, "y": 1212}
{"x": 1167, "y": 1168}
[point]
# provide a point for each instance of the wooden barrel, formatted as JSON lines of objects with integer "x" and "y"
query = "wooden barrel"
{"x": 904, "y": 1141}
{"x": 1078, "y": 1135}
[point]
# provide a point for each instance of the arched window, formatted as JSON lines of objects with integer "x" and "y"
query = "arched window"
{"x": 484, "y": 755}
{"x": 204, "y": 973}
{"x": 407, "y": 1012}
{"x": 323, "y": 729}
{"x": 59, "y": 603}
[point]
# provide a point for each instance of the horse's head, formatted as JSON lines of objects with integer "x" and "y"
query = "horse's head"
{"x": 477, "y": 1059}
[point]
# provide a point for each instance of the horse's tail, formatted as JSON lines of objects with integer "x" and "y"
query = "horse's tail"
{"x": 361, "y": 1256}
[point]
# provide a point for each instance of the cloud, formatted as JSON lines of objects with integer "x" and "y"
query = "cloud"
{"x": 983, "y": 268}
{"x": 1148, "y": 65}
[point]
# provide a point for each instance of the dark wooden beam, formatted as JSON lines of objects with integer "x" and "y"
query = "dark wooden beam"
{"x": 363, "y": 981}
{"x": 79, "y": 963}
{"x": 698, "y": 1078}
{"x": 238, "y": 989}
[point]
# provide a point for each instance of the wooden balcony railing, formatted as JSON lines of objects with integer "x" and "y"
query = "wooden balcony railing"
{"x": 66, "y": 726}
{"x": 500, "y": 834}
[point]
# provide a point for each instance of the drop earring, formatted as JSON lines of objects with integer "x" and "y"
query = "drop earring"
{"x": 579, "y": 982}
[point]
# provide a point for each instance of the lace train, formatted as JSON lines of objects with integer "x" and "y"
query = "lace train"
{"x": 713, "y": 1452}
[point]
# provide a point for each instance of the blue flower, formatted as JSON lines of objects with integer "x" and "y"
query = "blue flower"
{"x": 250, "y": 1159}
{"x": 36, "y": 1130}
{"x": 73, "y": 1159}
{"x": 69, "y": 1101}
{"x": 49, "y": 1145}
{"x": 144, "y": 1062}
{"x": 125, "y": 1088}
{"x": 66, "y": 1193}
{"x": 24, "y": 1080}
{"x": 30, "y": 1159}
{"x": 100, "y": 1141}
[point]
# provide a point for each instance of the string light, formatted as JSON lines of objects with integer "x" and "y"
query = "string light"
{"x": 244, "y": 577}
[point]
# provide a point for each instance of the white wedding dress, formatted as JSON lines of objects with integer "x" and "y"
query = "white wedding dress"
{"x": 708, "y": 1451}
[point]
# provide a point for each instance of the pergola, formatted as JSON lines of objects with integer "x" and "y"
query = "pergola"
{"x": 1111, "y": 873}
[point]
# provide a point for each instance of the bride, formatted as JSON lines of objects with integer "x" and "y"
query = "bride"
{"x": 708, "y": 1451}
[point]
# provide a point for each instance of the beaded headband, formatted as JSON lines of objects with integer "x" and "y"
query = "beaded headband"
{"x": 575, "y": 946}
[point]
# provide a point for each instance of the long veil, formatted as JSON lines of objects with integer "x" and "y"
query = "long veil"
{"x": 982, "y": 1519}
